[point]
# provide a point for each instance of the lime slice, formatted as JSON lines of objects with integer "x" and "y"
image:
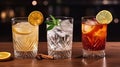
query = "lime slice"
{"x": 104, "y": 17}
{"x": 4, "y": 55}
{"x": 35, "y": 18}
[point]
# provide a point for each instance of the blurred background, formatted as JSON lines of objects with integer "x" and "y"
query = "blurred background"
{"x": 72, "y": 8}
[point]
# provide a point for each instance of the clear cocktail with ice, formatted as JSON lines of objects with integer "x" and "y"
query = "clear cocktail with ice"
{"x": 60, "y": 38}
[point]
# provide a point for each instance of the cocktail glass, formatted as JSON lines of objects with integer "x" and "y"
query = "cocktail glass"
{"x": 93, "y": 37}
{"x": 25, "y": 38}
{"x": 60, "y": 38}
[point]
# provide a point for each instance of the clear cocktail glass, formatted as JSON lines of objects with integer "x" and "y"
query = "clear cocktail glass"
{"x": 60, "y": 38}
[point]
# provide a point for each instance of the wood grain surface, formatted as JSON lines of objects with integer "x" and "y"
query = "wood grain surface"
{"x": 112, "y": 58}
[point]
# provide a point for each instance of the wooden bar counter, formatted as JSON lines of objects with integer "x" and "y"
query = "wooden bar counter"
{"x": 112, "y": 58}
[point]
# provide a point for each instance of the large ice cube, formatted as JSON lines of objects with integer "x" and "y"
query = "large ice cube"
{"x": 91, "y": 22}
{"x": 51, "y": 33}
{"x": 66, "y": 25}
{"x": 56, "y": 31}
{"x": 59, "y": 31}
{"x": 24, "y": 25}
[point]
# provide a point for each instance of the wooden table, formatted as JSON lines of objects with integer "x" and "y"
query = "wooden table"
{"x": 112, "y": 58}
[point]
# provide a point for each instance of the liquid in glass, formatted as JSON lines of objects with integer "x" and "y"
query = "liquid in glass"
{"x": 60, "y": 38}
{"x": 93, "y": 37}
{"x": 25, "y": 38}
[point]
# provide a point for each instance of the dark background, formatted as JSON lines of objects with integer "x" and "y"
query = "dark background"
{"x": 72, "y": 8}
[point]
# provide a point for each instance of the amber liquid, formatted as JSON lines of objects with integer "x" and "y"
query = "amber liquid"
{"x": 94, "y": 36}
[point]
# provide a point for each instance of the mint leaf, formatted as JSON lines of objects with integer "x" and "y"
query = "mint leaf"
{"x": 49, "y": 23}
{"x": 50, "y": 27}
{"x": 52, "y": 23}
{"x": 57, "y": 22}
{"x": 53, "y": 19}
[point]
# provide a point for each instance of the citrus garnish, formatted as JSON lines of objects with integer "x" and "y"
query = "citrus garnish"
{"x": 23, "y": 28}
{"x": 35, "y": 18}
{"x": 101, "y": 33}
{"x": 104, "y": 17}
{"x": 4, "y": 55}
{"x": 87, "y": 28}
{"x": 21, "y": 31}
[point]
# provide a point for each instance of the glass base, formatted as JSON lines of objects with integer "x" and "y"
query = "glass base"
{"x": 63, "y": 54}
{"x": 93, "y": 54}
{"x": 24, "y": 54}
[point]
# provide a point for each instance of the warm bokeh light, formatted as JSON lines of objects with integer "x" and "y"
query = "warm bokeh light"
{"x": 116, "y": 20}
{"x": 105, "y": 2}
{"x": 3, "y": 15}
{"x": 11, "y": 13}
{"x": 45, "y": 3}
{"x": 34, "y": 2}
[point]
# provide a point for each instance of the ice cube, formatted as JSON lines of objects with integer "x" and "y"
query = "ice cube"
{"x": 23, "y": 28}
{"x": 50, "y": 33}
{"x": 91, "y": 22}
{"x": 87, "y": 28}
{"x": 59, "y": 32}
{"x": 66, "y": 25}
{"x": 24, "y": 25}
{"x": 56, "y": 31}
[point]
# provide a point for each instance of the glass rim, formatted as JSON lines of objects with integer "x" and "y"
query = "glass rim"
{"x": 88, "y": 17}
{"x": 92, "y": 18}
{"x": 60, "y": 17}
{"x": 19, "y": 18}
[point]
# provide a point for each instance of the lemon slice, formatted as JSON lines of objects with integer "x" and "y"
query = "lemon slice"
{"x": 21, "y": 31}
{"x": 35, "y": 18}
{"x": 23, "y": 28}
{"x": 104, "y": 17}
{"x": 4, "y": 55}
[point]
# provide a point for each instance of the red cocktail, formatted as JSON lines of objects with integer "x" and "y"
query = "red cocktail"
{"x": 93, "y": 37}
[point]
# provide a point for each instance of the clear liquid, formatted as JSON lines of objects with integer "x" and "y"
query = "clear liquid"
{"x": 63, "y": 54}
{"x": 60, "y": 40}
{"x": 60, "y": 47}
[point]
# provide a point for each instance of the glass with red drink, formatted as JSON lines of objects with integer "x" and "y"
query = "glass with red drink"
{"x": 93, "y": 37}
